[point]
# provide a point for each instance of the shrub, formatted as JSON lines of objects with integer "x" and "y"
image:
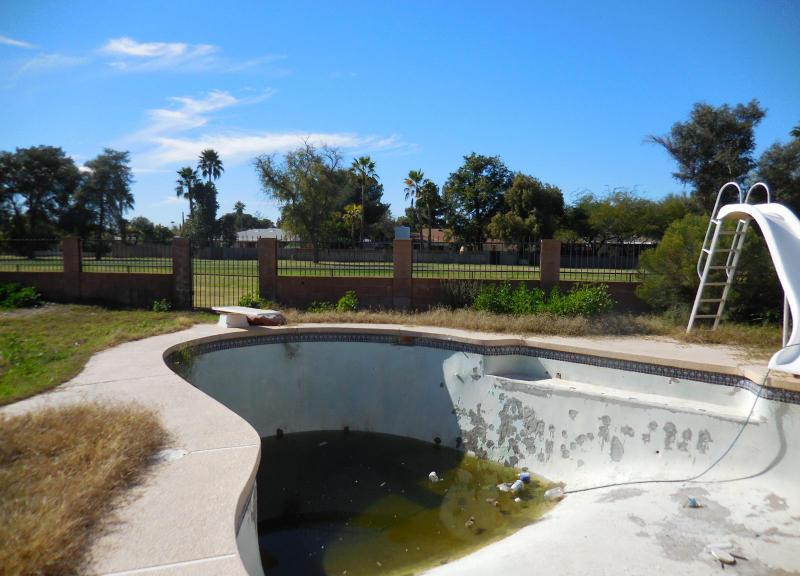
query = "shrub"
{"x": 671, "y": 276}
{"x": 526, "y": 301}
{"x": 16, "y": 296}
{"x": 459, "y": 293}
{"x": 348, "y": 302}
{"x": 162, "y": 305}
{"x": 493, "y": 298}
{"x": 581, "y": 300}
{"x": 321, "y": 306}
{"x": 253, "y": 300}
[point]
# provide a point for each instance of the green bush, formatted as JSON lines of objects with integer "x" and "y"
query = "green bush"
{"x": 493, "y": 298}
{"x": 321, "y": 306}
{"x": 581, "y": 300}
{"x": 162, "y": 305}
{"x": 16, "y": 296}
{"x": 671, "y": 275}
{"x": 348, "y": 302}
{"x": 253, "y": 300}
{"x": 671, "y": 278}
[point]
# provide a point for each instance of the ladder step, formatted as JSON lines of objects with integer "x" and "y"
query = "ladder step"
{"x": 710, "y": 299}
{"x": 721, "y": 267}
{"x": 716, "y": 283}
{"x": 708, "y": 250}
{"x": 705, "y": 315}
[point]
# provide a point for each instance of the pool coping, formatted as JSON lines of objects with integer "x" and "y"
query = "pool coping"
{"x": 179, "y": 520}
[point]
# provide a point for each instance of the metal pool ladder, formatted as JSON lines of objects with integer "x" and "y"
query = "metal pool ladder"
{"x": 716, "y": 276}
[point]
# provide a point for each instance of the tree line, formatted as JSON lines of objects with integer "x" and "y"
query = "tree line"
{"x": 323, "y": 198}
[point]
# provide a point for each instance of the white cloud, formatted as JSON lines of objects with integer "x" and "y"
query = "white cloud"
{"x": 170, "y": 201}
{"x": 49, "y": 62}
{"x": 171, "y": 135}
{"x": 135, "y": 56}
{"x": 12, "y": 42}
{"x": 236, "y": 148}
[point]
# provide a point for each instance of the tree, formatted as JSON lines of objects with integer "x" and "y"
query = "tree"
{"x": 106, "y": 193}
{"x": 779, "y": 167}
{"x": 375, "y": 211}
{"x": 210, "y": 165}
{"x": 713, "y": 147}
{"x": 795, "y": 133}
{"x": 146, "y": 232}
{"x": 413, "y": 183}
{"x": 185, "y": 186}
{"x": 42, "y": 180}
{"x": 352, "y": 215}
{"x": 532, "y": 209}
{"x": 202, "y": 222}
{"x": 429, "y": 201}
{"x": 473, "y": 194}
{"x": 308, "y": 183}
{"x": 363, "y": 168}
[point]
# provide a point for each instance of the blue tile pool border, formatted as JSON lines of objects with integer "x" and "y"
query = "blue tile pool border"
{"x": 777, "y": 394}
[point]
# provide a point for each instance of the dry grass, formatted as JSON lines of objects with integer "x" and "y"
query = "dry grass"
{"x": 60, "y": 471}
{"x": 755, "y": 339}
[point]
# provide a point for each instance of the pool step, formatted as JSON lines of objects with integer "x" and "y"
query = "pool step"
{"x": 644, "y": 399}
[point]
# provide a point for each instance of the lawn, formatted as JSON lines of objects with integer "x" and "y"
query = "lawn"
{"x": 43, "y": 347}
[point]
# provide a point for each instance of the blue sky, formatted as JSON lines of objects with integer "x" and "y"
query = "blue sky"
{"x": 566, "y": 91}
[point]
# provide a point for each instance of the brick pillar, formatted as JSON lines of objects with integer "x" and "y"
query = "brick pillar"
{"x": 181, "y": 274}
{"x": 268, "y": 268}
{"x": 550, "y": 263}
{"x": 71, "y": 252}
{"x": 401, "y": 283}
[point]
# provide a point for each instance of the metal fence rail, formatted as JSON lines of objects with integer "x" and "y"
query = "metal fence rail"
{"x": 31, "y": 255}
{"x": 120, "y": 257}
{"x": 221, "y": 275}
{"x": 488, "y": 261}
{"x": 336, "y": 259}
{"x": 617, "y": 262}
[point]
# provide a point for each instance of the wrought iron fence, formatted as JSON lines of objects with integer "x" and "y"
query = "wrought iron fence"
{"x": 31, "y": 255}
{"x": 335, "y": 259}
{"x": 608, "y": 262}
{"x": 488, "y": 261}
{"x": 222, "y": 274}
{"x": 121, "y": 257}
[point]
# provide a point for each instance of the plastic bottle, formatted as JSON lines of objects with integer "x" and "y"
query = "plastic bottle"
{"x": 556, "y": 493}
{"x": 516, "y": 486}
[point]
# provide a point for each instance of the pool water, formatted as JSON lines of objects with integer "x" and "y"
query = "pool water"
{"x": 350, "y": 503}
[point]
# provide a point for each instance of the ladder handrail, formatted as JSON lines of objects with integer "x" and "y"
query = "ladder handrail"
{"x": 712, "y": 221}
{"x": 753, "y": 187}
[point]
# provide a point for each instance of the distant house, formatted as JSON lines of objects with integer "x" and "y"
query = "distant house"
{"x": 249, "y": 238}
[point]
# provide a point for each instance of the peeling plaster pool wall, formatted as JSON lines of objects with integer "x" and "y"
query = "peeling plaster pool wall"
{"x": 580, "y": 419}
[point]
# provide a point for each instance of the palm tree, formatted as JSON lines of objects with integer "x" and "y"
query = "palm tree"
{"x": 413, "y": 185}
{"x": 210, "y": 165}
{"x": 185, "y": 186}
{"x": 364, "y": 169}
{"x": 796, "y": 132}
{"x": 353, "y": 213}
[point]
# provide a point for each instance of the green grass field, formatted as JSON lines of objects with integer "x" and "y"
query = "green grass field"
{"x": 220, "y": 282}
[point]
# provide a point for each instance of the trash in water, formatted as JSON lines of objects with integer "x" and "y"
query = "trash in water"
{"x": 323, "y": 443}
{"x": 525, "y": 477}
{"x": 517, "y": 499}
{"x": 721, "y": 553}
{"x": 556, "y": 493}
{"x": 516, "y": 486}
{"x": 433, "y": 477}
{"x": 470, "y": 523}
{"x": 504, "y": 487}
{"x": 693, "y": 503}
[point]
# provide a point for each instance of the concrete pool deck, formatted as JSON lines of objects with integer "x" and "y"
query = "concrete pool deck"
{"x": 183, "y": 518}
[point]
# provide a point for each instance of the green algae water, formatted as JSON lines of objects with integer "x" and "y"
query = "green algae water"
{"x": 357, "y": 503}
